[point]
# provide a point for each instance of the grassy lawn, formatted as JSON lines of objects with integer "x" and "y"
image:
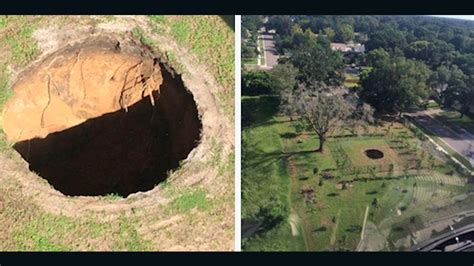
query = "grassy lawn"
{"x": 208, "y": 37}
{"x": 432, "y": 105}
{"x": 250, "y": 61}
{"x": 211, "y": 40}
{"x": 262, "y": 52}
{"x": 350, "y": 80}
{"x": 42, "y": 231}
{"x": 265, "y": 178}
{"x": 280, "y": 164}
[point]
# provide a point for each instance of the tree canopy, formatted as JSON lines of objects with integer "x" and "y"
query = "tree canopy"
{"x": 317, "y": 63}
{"x": 284, "y": 79}
{"x": 323, "y": 109}
{"x": 395, "y": 84}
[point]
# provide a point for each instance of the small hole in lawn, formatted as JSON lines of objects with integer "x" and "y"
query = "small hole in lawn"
{"x": 374, "y": 154}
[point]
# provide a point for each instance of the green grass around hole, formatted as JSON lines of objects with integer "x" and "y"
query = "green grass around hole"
{"x": 24, "y": 48}
{"x": 140, "y": 34}
{"x": 180, "y": 30}
{"x": 3, "y": 22}
{"x": 211, "y": 40}
{"x": 112, "y": 196}
{"x": 128, "y": 238}
{"x": 157, "y": 23}
{"x": 5, "y": 93}
{"x": 48, "y": 232}
{"x": 190, "y": 200}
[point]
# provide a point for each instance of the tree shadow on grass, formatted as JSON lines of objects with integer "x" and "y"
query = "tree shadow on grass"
{"x": 320, "y": 229}
{"x": 354, "y": 229}
{"x": 265, "y": 222}
{"x": 289, "y": 135}
{"x": 259, "y": 110}
{"x": 262, "y": 159}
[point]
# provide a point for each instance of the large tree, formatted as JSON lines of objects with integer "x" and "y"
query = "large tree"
{"x": 256, "y": 83}
{"x": 281, "y": 24}
{"x": 432, "y": 53}
{"x": 387, "y": 37}
{"x": 330, "y": 33}
{"x": 344, "y": 33}
{"x": 396, "y": 85}
{"x": 323, "y": 108}
{"x": 317, "y": 62}
{"x": 284, "y": 81}
{"x": 377, "y": 57}
{"x": 460, "y": 98}
{"x": 252, "y": 24}
{"x": 250, "y": 27}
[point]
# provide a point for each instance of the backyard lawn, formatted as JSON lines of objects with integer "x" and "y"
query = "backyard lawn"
{"x": 350, "y": 80}
{"x": 324, "y": 197}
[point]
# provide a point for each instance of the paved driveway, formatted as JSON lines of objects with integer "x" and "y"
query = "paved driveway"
{"x": 271, "y": 56}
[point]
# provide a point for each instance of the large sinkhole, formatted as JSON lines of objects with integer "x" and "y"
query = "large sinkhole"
{"x": 374, "y": 154}
{"x": 135, "y": 131}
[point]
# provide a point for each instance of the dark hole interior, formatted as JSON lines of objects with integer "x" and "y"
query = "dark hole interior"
{"x": 374, "y": 154}
{"x": 120, "y": 152}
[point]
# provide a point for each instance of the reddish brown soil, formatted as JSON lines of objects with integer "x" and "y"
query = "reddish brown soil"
{"x": 79, "y": 82}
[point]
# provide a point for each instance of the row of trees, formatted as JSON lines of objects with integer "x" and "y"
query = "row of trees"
{"x": 394, "y": 83}
{"x": 250, "y": 27}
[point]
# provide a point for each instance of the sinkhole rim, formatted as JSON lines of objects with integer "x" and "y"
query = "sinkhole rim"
{"x": 194, "y": 137}
{"x": 204, "y": 88}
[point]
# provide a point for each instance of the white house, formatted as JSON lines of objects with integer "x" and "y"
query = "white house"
{"x": 348, "y": 47}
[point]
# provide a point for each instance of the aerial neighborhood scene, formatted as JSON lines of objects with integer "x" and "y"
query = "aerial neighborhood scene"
{"x": 120, "y": 132}
{"x": 357, "y": 133}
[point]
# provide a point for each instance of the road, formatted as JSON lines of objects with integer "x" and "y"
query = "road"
{"x": 270, "y": 53}
{"x": 460, "y": 239}
{"x": 461, "y": 143}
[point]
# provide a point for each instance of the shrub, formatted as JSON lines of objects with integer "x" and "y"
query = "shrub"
{"x": 320, "y": 183}
{"x": 256, "y": 83}
{"x": 327, "y": 175}
{"x": 315, "y": 170}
